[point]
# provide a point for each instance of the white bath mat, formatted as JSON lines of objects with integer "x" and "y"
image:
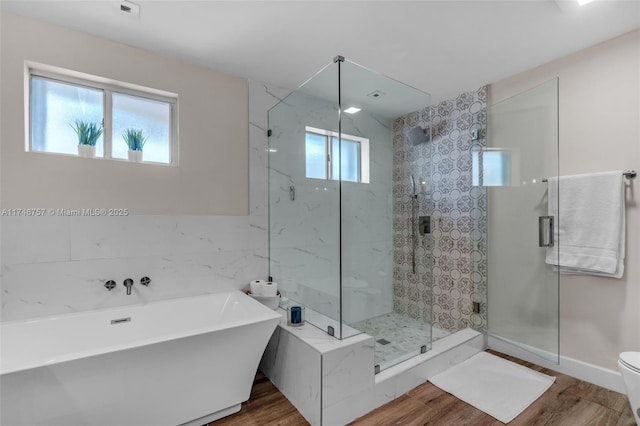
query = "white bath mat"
{"x": 498, "y": 387}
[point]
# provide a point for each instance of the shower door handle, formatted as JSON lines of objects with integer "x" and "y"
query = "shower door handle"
{"x": 545, "y": 231}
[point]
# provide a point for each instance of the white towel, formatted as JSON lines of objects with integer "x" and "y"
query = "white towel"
{"x": 590, "y": 230}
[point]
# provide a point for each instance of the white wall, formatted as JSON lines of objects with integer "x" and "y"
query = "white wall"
{"x": 212, "y": 176}
{"x": 599, "y": 109}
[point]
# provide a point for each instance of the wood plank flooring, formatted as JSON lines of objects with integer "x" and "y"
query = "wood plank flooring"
{"x": 266, "y": 406}
{"x": 568, "y": 402}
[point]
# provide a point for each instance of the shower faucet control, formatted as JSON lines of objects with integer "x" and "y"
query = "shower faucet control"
{"x": 424, "y": 225}
{"x": 128, "y": 283}
{"x": 145, "y": 281}
{"x": 110, "y": 285}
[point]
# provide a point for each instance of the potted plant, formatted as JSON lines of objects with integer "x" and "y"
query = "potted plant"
{"x": 88, "y": 134}
{"x": 135, "y": 141}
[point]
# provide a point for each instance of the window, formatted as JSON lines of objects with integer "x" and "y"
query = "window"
{"x": 327, "y": 156}
{"x": 58, "y": 101}
{"x": 491, "y": 167}
{"x": 55, "y": 107}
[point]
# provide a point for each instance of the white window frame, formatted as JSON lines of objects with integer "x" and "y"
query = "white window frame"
{"x": 108, "y": 87}
{"x": 364, "y": 152}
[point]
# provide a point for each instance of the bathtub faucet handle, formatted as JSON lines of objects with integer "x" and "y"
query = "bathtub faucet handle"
{"x": 145, "y": 281}
{"x": 128, "y": 283}
{"x": 110, "y": 285}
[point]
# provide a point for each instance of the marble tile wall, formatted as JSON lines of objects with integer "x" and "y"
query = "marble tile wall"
{"x": 56, "y": 265}
{"x": 451, "y": 261}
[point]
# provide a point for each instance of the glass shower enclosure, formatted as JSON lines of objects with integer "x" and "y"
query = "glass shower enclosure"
{"x": 333, "y": 185}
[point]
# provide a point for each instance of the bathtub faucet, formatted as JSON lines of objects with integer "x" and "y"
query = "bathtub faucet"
{"x": 128, "y": 283}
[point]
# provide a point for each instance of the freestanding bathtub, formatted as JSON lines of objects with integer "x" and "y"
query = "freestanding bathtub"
{"x": 182, "y": 361}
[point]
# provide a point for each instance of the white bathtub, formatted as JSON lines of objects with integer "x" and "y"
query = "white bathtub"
{"x": 190, "y": 360}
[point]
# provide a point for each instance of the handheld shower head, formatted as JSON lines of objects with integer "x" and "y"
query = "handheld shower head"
{"x": 414, "y": 194}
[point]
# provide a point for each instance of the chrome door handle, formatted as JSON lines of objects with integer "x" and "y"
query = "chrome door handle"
{"x": 545, "y": 231}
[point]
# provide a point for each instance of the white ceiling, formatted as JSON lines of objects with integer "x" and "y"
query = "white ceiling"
{"x": 441, "y": 47}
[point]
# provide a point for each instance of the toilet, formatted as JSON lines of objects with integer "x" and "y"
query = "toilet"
{"x": 629, "y": 365}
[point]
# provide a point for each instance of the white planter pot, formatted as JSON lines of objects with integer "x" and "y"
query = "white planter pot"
{"x": 86, "y": 151}
{"x": 135, "y": 156}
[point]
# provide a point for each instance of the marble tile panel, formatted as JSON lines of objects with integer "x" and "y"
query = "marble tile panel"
{"x": 34, "y": 290}
{"x": 294, "y": 368}
{"x": 347, "y": 371}
{"x": 121, "y": 237}
{"x": 349, "y": 409}
{"x": 35, "y": 239}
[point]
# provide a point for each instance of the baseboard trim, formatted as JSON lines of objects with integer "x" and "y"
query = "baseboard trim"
{"x": 603, "y": 377}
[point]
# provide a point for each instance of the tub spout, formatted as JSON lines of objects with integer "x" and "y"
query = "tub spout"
{"x": 128, "y": 283}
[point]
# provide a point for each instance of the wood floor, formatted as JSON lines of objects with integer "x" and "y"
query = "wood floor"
{"x": 568, "y": 402}
{"x": 266, "y": 406}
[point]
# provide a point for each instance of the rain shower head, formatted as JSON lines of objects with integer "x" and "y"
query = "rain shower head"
{"x": 417, "y": 135}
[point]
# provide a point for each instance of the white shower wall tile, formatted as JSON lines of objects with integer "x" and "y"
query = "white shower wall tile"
{"x": 54, "y": 265}
{"x": 312, "y": 276}
{"x": 325, "y": 223}
{"x": 310, "y": 219}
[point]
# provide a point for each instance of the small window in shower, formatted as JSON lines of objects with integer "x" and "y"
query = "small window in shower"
{"x": 329, "y": 156}
{"x": 491, "y": 167}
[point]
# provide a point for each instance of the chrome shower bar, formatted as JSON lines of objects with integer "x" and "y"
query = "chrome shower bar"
{"x": 629, "y": 174}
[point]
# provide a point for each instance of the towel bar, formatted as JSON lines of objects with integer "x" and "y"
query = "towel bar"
{"x": 629, "y": 174}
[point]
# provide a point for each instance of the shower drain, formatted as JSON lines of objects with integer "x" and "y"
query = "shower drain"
{"x": 383, "y": 341}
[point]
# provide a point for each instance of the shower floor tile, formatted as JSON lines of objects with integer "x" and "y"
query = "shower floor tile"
{"x": 398, "y": 337}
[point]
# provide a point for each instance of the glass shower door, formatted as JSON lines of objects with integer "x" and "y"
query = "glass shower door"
{"x": 522, "y": 152}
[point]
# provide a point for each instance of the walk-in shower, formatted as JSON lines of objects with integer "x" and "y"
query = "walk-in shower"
{"x": 331, "y": 246}
{"x": 378, "y": 207}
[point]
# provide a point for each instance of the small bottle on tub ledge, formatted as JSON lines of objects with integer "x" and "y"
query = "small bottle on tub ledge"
{"x": 295, "y": 316}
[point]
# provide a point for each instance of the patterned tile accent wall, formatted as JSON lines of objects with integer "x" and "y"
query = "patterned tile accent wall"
{"x": 450, "y": 262}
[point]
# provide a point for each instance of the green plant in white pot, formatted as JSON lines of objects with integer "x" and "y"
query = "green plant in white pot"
{"x": 88, "y": 134}
{"x": 135, "y": 141}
